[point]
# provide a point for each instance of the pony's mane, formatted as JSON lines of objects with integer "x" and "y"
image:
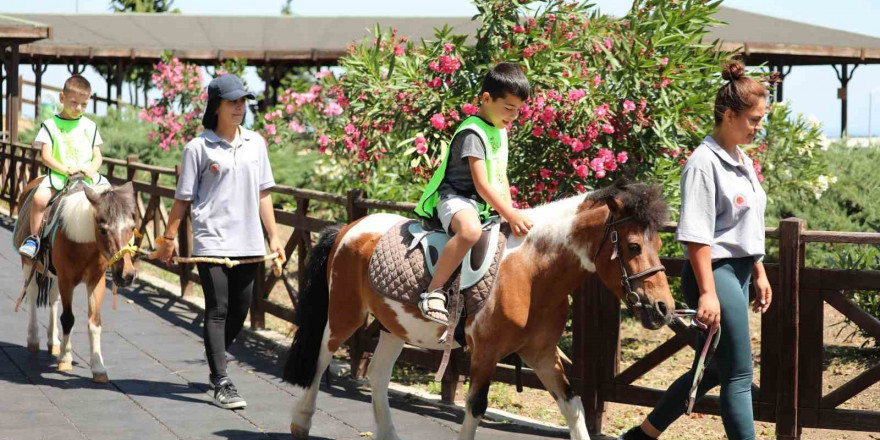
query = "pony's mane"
{"x": 643, "y": 203}
{"x": 77, "y": 214}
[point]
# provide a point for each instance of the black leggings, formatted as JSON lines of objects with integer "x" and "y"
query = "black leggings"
{"x": 227, "y": 300}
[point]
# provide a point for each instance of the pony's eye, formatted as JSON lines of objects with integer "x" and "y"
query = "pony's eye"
{"x": 635, "y": 248}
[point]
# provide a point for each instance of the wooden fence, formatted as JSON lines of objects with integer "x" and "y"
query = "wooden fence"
{"x": 791, "y": 392}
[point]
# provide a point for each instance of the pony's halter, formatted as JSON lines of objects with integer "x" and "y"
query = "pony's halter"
{"x": 131, "y": 248}
{"x": 631, "y": 298}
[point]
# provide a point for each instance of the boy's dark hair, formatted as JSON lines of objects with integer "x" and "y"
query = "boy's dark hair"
{"x": 506, "y": 78}
{"x": 209, "y": 120}
{"x": 77, "y": 83}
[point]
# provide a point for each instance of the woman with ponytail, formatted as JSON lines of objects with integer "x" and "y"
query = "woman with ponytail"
{"x": 721, "y": 228}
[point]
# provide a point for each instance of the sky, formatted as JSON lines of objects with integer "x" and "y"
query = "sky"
{"x": 811, "y": 90}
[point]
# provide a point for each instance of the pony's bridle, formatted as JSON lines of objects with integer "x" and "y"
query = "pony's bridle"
{"x": 131, "y": 248}
{"x": 630, "y": 297}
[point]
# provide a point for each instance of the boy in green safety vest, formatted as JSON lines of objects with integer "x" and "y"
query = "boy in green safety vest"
{"x": 472, "y": 179}
{"x": 70, "y": 144}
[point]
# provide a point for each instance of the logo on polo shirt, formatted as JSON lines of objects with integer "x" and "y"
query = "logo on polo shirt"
{"x": 215, "y": 168}
{"x": 740, "y": 201}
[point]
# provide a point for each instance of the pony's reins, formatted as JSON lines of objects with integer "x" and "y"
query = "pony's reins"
{"x": 712, "y": 340}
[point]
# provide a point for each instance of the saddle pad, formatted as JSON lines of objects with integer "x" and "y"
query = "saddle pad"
{"x": 401, "y": 274}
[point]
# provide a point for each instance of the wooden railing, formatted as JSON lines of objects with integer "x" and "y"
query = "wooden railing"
{"x": 790, "y": 390}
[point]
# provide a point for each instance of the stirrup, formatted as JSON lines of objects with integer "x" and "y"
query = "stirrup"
{"x": 426, "y": 297}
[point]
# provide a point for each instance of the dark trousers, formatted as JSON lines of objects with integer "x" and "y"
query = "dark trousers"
{"x": 227, "y": 301}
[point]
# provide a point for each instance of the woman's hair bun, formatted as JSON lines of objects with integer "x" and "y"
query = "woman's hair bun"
{"x": 733, "y": 70}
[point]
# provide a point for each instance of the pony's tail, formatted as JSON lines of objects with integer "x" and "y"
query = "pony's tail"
{"x": 311, "y": 313}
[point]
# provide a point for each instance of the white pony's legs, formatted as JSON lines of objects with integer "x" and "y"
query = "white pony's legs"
{"x": 379, "y": 373}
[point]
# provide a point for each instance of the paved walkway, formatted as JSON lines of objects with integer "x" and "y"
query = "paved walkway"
{"x": 158, "y": 387}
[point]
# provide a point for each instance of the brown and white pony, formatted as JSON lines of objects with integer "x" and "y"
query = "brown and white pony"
{"x": 94, "y": 225}
{"x": 611, "y": 232}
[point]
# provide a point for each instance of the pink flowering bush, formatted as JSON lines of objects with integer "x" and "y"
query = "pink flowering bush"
{"x": 610, "y": 96}
{"x": 178, "y": 113}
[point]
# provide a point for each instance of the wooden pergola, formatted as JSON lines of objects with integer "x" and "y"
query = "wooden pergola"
{"x": 15, "y": 32}
{"x": 782, "y": 44}
{"x": 122, "y": 41}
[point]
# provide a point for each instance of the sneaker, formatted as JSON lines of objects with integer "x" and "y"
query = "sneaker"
{"x": 226, "y": 395}
{"x": 30, "y": 247}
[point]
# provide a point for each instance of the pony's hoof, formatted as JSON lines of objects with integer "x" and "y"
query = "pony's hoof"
{"x": 33, "y": 348}
{"x": 65, "y": 366}
{"x": 299, "y": 433}
{"x": 54, "y": 350}
{"x": 100, "y": 377}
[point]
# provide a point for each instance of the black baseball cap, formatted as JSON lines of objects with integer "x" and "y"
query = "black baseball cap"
{"x": 228, "y": 87}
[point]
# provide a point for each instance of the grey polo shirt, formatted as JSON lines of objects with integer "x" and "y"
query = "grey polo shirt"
{"x": 224, "y": 181}
{"x": 722, "y": 203}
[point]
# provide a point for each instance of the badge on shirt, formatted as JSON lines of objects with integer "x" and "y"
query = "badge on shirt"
{"x": 215, "y": 168}
{"x": 740, "y": 201}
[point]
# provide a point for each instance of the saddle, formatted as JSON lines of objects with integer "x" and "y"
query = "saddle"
{"x": 404, "y": 260}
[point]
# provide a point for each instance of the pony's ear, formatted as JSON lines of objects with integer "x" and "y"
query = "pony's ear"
{"x": 126, "y": 187}
{"x": 92, "y": 195}
{"x": 615, "y": 205}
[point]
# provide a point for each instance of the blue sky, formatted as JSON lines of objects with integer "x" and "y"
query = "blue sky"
{"x": 811, "y": 90}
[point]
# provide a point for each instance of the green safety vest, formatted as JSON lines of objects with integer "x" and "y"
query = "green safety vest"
{"x": 73, "y": 142}
{"x": 495, "y": 141}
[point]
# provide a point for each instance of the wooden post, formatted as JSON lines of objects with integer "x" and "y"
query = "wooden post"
{"x": 13, "y": 101}
{"x": 121, "y": 69}
{"x": 791, "y": 259}
{"x": 358, "y": 341}
{"x": 452, "y": 384}
{"x": 13, "y": 178}
{"x": 184, "y": 240}
{"x": 258, "y": 315}
{"x": 39, "y": 69}
{"x": 587, "y": 344}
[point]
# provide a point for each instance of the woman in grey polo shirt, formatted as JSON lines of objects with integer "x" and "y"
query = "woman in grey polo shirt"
{"x": 225, "y": 178}
{"x": 722, "y": 229}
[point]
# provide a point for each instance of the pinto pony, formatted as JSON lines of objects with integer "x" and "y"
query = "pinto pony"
{"x": 94, "y": 226}
{"x": 610, "y": 232}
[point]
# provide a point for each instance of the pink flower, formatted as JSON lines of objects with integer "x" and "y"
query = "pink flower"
{"x": 528, "y": 52}
{"x": 469, "y": 109}
{"x": 582, "y": 171}
{"x": 323, "y": 74}
{"x": 514, "y": 191}
{"x": 448, "y": 47}
{"x": 454, "y": 115}
{"x": 628, "y": 106}
{"x": 642, "y": 104}
{"x": 421, "y": 145}
{"x": 438, "y": 121}
{"x": 350, "y": 129}
{"x": 578, "y": 146}
{"x": 271, "y": 129}
{"x": 333, "y": 109}
{"x": 445, "y": 64}
{"x": 269, "y": 116}
{"x": 622, "y": 157}
{"x": 577, "y": 94}
{"x": 277, "y": 139}
{"x": 323, "y": 141}
{"x": 435, "y": 83}
{"x": 548, "y": 115}
{"x": 602, "y": 110}
{"x": 607, "y": 128}
{"x": 295, "y": 126}
{"x": 517, "y": 29}
{"x": 609, "y": 43}
{"x": 399, "y": 50}
{"x": 664, "y": 61}
{"x": 545, "y": 173}
{"x": 537, "y": 131}
{"x": 597, "y": 80}
{"x": 580, "y": 188}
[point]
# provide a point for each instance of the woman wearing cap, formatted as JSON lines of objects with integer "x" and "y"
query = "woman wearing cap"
{"x": 225, "y": 177}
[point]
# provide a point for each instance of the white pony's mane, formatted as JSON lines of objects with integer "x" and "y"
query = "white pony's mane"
{"x": 77, "y": 216}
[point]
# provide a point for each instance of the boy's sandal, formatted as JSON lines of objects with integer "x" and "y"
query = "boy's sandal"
{"x": 426, "y": 310}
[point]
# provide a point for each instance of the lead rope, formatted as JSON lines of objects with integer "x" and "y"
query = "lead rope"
{"x": 712, "y": 340}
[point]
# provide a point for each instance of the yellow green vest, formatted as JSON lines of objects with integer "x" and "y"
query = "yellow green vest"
{"x": 495, "y": 141}
{"x": 73, "y": 142}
